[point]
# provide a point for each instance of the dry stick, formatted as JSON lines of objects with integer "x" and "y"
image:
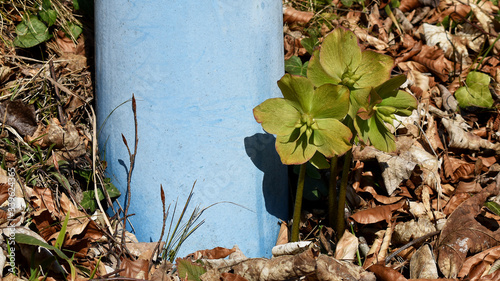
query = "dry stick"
{"x": 411, "y": 243}
{"x": 132, "y": 162}
{"x": 62, "y": 119}
{"x": 94, "y": 151}
{"x": 165, "y": 214}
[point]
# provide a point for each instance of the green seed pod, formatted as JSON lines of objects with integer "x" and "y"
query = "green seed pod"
{"x": 386, "y": 110}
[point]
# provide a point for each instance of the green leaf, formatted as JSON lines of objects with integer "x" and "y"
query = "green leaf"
{"x": 188, "y": 269}
{"x": 113, "y": 192}
{"x": 476, "y": 91}
{"x": 294, "y": 66}
{"x": 88, "y": 201}
{"x": 73, "y": 30}
{"x": 347, "y": 3}
{"x": 376, "y": 133}
{"x": 47, "y": 14}
{"x": 493, "y": 206}
{"x": 319, "y": 161}
{"x": 76, "y": 5}
{"x": 314, "y": 189}
{"x": 62, "y": 233}
{"x": 22, "y": 238}
{"x": 31, "y": 32}
{"x": 309, "y": 43}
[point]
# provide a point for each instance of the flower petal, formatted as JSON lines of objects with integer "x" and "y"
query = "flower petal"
{"x": 330, "y": 101}
{"x": 373, "y": 69}
{"x": 317, "y": 74}
{"x": 340, "y": 52}
{"x": 294, "y": 153}
{"x": 334, "y": 136}
{"x": 297, "y": 89}
{"x": 277, "y": 116}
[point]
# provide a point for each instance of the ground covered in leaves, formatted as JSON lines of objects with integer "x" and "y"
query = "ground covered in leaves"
{"x": 427, "y": 211}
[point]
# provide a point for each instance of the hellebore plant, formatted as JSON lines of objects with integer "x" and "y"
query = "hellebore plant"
{"x": 374, "y": 100}
{"x": 348, "y": 95}
{"x": 306, "y": 121}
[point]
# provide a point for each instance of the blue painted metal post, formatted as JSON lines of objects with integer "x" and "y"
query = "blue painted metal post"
{"x": 197, "y": 69}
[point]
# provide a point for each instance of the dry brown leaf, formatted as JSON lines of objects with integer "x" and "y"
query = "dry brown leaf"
{"x": 433, "y": 58}
{"x": 384, "y": 273}
{"x": 490, "y": 256}
{"x": 463, "y": 234}
{"x": 403, "y": 21}
{"x": 376, "y": 214}
{"x": 330, "y": 269}
{"x": 215, "y": 253}
{"x": 404, "y": 232}
{"x": 433, "y": 134}
{"x": 347, "y": 247}
{"x": 19, "y": 116}
{"x": 289, "y": 267}
{"x": 408, "y": 5}
{"x": 422, "y": 264}
{"x": 459, "y": 138}
{"x": 138, "y": 269}
{"x": 68, "y": 46}
{"x": 226, "y": 276}
{"x": 66, "y": 140}
{"x": 363, "y": 35}
{"x": 451, "y": 45}
{"x": 377, "y": 25}
{"x": 290, "y": 15}
{"x": 455, "y": 201}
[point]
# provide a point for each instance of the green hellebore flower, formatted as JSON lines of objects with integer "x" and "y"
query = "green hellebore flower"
{"x": 340, "y": 61}
{"x": 384, "y": 103}
{"x": 306, "y": 120}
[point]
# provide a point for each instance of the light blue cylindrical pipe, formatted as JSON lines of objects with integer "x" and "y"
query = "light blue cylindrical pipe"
{"x": 197, "y": 69}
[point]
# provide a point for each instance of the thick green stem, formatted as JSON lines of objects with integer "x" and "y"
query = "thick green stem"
{"x": 332, "y": 191}
{"x": 298, "y": 203}
{"x": 342, "y": 192}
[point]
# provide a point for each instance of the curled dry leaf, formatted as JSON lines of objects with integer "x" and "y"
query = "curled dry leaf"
{"x": 347, "y": 247}
{"x": 330, "y": 269}
{"x": 384, "y": 273}
{"x": 422, "y": 264}
{"x": 290, "y": 15}
{"x": 451, "y": 45}
{"x": 433, "y": 58}
{"x": 404, "y": 22}
{"x": 450, "y": 103}
{"x": 215, "y": 253}
{"x": 459, "y": 138}
{"x": 66, "y": 140}
{"x": 406, "y": 231}
{"x": 363, "y": 35}
{"x": 463, "y": 234}
{"x": 291, "y": 248}
{"x": 376, "y": 214}
{"x": 489, "y": 256}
